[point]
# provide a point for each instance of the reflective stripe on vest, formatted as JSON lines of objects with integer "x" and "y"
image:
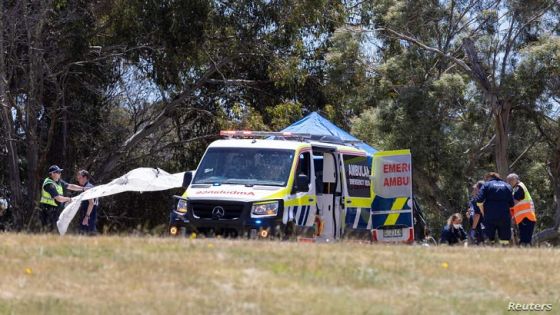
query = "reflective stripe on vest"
{"x": 525, "y": 208}
{"x": 46, "y": 198}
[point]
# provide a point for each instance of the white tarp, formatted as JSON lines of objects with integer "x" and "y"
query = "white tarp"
{"x": 140, "y": 179}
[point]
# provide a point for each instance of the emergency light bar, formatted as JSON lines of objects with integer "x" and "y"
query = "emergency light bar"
{"x": 262, "y": 134}
{"x": 286, "y": 135}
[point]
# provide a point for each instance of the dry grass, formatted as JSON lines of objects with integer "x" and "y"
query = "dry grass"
{"x": 111, "y": 275}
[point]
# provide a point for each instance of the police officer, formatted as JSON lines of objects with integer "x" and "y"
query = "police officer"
{"x": 52, "y": 197}
{"x": 88, "y": 208}
{"x": 476, "y": 216}
{"x": 523, "y": 212}
{"x": 496, "y": 196}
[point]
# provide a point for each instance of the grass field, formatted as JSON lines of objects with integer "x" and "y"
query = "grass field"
{"x": 42, "y": 274}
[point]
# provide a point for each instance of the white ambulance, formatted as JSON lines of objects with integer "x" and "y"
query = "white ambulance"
{"x": 282, "y": 185}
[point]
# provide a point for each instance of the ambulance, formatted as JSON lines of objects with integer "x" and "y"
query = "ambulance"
{"x": 281, "y": 185}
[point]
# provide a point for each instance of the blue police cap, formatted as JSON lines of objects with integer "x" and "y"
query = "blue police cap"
{"x": 55, "y": 169}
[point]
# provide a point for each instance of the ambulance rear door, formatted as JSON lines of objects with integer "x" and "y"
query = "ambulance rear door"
{"x": 392, "y": 217}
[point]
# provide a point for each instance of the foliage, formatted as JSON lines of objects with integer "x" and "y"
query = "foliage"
{"x": 114, "y": 85}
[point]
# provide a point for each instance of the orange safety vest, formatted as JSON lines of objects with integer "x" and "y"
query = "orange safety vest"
{"x": 524, "y": 208}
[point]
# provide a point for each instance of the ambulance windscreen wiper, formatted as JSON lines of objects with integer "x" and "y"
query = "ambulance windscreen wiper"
{"x": 235, "y": 182}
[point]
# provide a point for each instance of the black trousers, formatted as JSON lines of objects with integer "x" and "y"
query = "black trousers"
{"x": 503, "y": 227}
{"x": 526, "y": 228}
{"x": 49, "y": 216}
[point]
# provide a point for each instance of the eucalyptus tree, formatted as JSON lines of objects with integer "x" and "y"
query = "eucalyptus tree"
{"x": 481, "y": 39}
{"x": 210, "y": 57}
{"x": 44, "y": 72}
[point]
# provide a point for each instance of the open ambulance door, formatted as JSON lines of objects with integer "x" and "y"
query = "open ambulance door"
{"x": 357, "y": 194}
{"x": 300, "y": 205}
{"x": 328, "y": 192}
{"x": 392, "y": 205}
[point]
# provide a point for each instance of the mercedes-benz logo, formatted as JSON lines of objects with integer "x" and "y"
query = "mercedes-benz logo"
{"x": 218, "y": 212}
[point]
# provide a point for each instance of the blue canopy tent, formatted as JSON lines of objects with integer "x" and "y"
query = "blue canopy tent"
{"x": 316, "y": 124}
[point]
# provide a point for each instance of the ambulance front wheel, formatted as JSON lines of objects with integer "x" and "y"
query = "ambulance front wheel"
{"x": 173, "y": 231}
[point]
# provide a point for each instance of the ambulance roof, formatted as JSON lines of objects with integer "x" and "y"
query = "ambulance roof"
{"x": 278, "y": 144}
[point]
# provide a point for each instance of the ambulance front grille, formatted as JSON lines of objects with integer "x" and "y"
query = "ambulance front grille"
{"x": 206, "y": 210}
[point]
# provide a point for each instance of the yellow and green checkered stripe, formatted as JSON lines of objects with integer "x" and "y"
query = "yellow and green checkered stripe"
{"x": 383, "y": 212}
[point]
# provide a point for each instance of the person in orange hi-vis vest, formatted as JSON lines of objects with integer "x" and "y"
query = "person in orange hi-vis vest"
{"x": 523, "y": 212}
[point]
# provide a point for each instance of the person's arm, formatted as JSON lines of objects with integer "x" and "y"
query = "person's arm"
{"x": 462, "y": 234}
{"x": 477, "y": 215}
{"x": 481, "y": 197}
{"x": 73, "y": 187}
{"x": 518, "y": 194}
{"x": 511, "y": 201}
{"x": 481, "y": 207}
{"x": 51, "y": 189}
{"x": 88, "y": 212}
{"x": 62, "y": 199}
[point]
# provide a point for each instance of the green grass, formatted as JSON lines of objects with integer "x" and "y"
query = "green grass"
{"x": 108, "y": 275}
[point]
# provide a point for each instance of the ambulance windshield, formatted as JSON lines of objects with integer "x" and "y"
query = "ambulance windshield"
{"x": 245, "y": 166}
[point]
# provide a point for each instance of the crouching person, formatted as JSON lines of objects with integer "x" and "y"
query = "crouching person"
{"x": 453, "y": 232}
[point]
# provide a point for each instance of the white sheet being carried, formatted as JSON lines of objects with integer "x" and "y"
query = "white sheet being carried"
{"x": 140, "y": 179}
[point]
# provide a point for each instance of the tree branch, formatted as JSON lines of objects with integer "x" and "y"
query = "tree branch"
{"x": 420, "y": 44}
{"x": 237, "y": 82}
{"x": 167, "y": 112}
{"x": 524, "y": 152}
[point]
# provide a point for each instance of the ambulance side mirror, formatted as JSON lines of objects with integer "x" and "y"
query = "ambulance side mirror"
{"x": 187, "y": 179}
{"x": 302, "y": 183}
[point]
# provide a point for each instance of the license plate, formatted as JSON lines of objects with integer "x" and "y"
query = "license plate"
{"x": 389, "y": 233}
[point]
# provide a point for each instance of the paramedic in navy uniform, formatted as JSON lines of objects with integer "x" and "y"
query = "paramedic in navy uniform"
{"x": 497, "y": 197}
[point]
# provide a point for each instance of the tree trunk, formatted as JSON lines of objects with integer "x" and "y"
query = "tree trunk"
{"x": 501, "y": 121}
{"x": 16, "y": 198}
{"x": 555, "y": 170}
{"x": 500, "y": 108}
{"x": 34, "y": 22}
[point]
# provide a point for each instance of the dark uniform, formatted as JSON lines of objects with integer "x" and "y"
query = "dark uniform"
{"x": 498, "y": 198}
{"x": 50, "y": 208}
{"x": 451, "y": 235}
{"x": 479, "y": 232}
{"x": 90, "y": 228}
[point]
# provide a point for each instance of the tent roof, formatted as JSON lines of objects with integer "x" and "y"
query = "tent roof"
{"x": 316, "y": 124}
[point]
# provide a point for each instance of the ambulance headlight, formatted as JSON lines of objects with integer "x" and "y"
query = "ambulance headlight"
{"x": 181, "y": 207}
{"x": 267, "y": 208}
